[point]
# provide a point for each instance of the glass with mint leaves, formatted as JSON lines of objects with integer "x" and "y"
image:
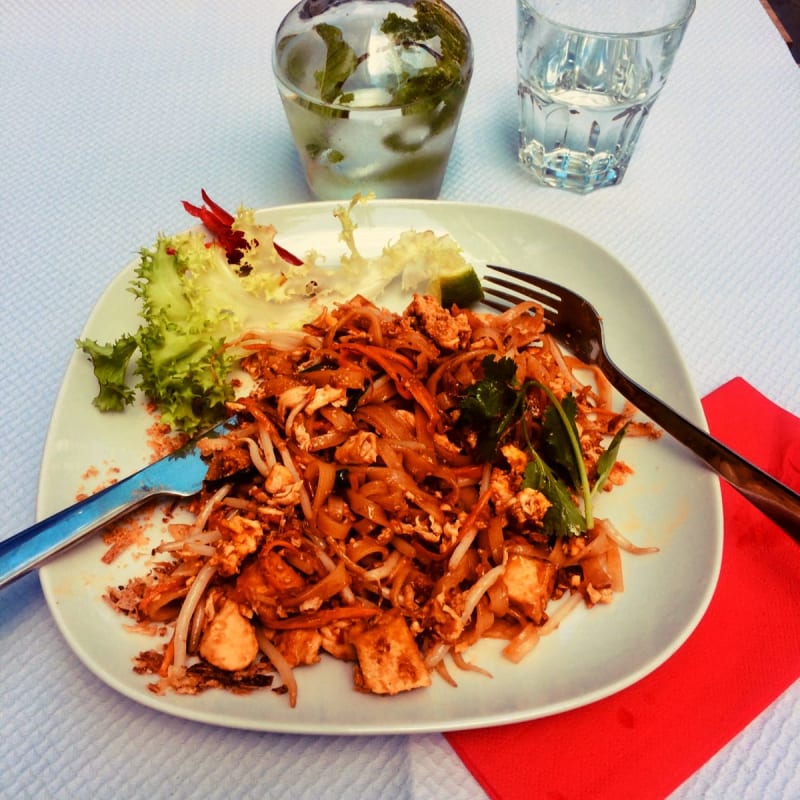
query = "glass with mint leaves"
{"x": 373, "y": 91}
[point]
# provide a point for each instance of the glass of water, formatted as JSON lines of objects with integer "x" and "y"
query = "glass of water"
{"x": 373, "y": 90}
{"x": 588, "y": 75}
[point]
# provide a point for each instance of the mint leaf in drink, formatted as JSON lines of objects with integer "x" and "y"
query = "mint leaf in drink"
{"x": 426, "y": 87}
{"x": 439, "y": 22}
{"x": 440, "y": 86}
{"x": 319, "y": 152}
{"x": 431, "y": 21}
{"x": 340, "y": 63}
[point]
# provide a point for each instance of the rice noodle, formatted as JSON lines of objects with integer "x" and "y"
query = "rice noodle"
{"x": 523, "y": 643}
{"x": 346, "y": 591}
{"x": 370, "y": 499}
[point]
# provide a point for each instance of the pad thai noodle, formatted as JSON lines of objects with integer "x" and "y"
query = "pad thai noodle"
{"x": 397, "y": 488}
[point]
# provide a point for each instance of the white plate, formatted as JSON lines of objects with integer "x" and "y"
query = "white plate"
{"x": 670, "y": 502}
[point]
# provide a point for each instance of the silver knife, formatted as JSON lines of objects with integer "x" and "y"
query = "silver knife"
{"x": 180, "y": 474}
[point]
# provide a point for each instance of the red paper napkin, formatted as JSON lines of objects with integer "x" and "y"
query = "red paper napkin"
{"x": 644, "y": 741}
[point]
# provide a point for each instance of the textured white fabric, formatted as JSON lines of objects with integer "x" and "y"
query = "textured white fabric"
{"x": 111, "y": 113}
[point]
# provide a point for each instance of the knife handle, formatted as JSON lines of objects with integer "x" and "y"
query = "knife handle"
{"x": 28, "y": 549}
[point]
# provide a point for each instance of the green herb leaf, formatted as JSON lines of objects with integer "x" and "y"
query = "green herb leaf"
{"x": 439, "y": 87}
{"x": 565, "y": 415}
{"x": 340, "y": 63}
{"x": 110, "y": 364}
{"x": 492, "y": 404}
{"x": 432, "y": 20}
{"x": 492, "y": 396}
{"x": 563, "y": 518}
{"x": 560, "y": 432}
{"x": 609, "y": 457}
{"x": 323, "y": 153}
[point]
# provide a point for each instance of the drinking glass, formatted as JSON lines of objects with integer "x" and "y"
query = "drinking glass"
{"x": 589, "y": 73}
{"x": 373, "y": 91}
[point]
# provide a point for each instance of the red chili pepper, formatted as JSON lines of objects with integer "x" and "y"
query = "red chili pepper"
{"x": 219, "y": 223}
{"x": 224, "y": 216}
{"x": 289, "y": 258}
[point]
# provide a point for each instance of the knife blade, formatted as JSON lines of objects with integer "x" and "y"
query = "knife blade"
{"x": 180, "y": 474}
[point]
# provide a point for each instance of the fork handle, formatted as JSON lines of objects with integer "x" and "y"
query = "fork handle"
{"x": 780, "y": 503}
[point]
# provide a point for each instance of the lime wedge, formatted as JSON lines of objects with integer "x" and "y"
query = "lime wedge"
{"x": 462, "y": 288}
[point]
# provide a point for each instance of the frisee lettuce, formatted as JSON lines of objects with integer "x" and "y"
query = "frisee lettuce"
{"x": 197, "y": 296}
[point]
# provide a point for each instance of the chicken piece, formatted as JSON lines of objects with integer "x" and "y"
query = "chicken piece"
{"x": 336, "y": 640}
{"x": 448, "y": 331}
{"x": 620, "y": 473}
{"x": 595, "y": 596}
{"x": 445, "y": 612}
{"x": 283, "y": 487}
{"x": 240, "y": 537}
{"x": 528, "y": 505}
{"x": 294, "y": 399}
{"x": 501, "y": 488}
{"x": 229, "y": 642}
{"x": 517, "y": 459}
{"x": 529, "y": 583}
{"x": 326, "y": 395}
{"x": 224, "y": 462}
{"x": 360, "y": 448}
{"x": 280, "y": 575}
{"x": 299, "y": 646}
{"x": 252, "y": 587}
{"x": 445, "y": 446}
{"x": 264, "y": 582}
{"x": 389, "y": 660}
{"x": 298, "y": 431}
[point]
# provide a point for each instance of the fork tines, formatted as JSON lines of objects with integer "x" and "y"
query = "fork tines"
{"x": 524, "y": 286}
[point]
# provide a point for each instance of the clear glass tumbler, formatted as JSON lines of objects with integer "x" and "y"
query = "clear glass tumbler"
{"x": 588, "y": 75}
{"x": 373, "y": 91}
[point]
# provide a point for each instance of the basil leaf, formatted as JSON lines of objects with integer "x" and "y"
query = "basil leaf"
{"x": 557, "y": 430}
{"x": 492, "y": 404}
{"x": 563, "y": 518}
{"x": 608, "y": 458}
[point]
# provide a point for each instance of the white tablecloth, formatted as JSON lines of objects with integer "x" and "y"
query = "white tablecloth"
{"x": 111, "y": 113}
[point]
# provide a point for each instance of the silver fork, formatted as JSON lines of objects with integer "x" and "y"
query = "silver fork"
{"x": 573, "y": 321}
